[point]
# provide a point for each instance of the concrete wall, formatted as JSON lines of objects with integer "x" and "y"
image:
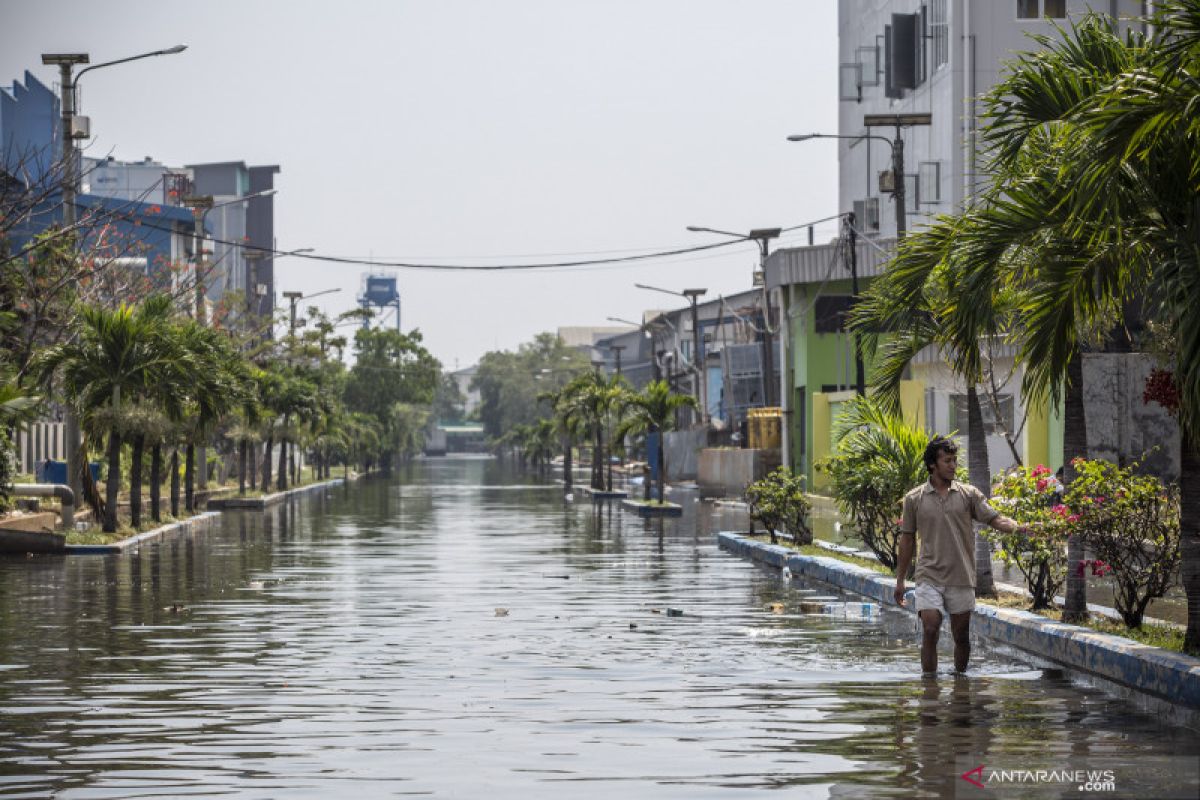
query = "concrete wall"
{"x": 683, "y": 453}
{"x": 725, "y": 472}
{"x": 1122, "y": 428}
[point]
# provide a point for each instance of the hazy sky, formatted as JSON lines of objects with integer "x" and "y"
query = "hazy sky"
{"x": 477, "y": 131}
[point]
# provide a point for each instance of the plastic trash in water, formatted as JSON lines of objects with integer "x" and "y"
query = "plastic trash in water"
{"x": 851, "y": 610}
{"x": 786, "y": 574}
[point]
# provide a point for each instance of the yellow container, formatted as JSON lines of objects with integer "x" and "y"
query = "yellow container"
{"x": 765, "y": 428}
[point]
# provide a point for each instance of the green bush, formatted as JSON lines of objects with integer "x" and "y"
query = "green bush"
{"x": 878, "y": 458}
{"x": 1131, "y": 523}
{"x": 7, "y": 468}
{"x": 779, "y": 502}
{"x": 1029, "y": 496}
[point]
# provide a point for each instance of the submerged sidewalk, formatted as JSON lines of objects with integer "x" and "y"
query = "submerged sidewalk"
{"x": 1168, "y": 681}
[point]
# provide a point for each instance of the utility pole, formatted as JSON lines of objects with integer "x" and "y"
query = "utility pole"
{"x": 292, "y": 298}
{"x": 65, "y": 61}
{"x": 697, "y": 358}
{"x": 617, "y": 348}
{"x": 860, "y": 380}
{"x": 200, "y": 205}
{"x": 763, "y": 237}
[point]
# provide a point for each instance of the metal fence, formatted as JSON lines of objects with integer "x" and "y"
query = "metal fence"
{"x": 39, "y": 442}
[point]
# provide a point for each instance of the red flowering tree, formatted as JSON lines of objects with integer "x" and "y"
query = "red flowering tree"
{"x": 1131, "y": 523}
{"x": 1031, "y": 496}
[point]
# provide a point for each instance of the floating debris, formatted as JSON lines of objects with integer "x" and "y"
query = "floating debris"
{"x": 674, "y": 612}
{"x": 775, "y": 608}
{"x": 501, "y": 612}
{"x": 633, "y": 626}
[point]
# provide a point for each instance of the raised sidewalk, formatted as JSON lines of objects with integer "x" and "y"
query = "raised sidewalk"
{"x": 1152, "y": 672}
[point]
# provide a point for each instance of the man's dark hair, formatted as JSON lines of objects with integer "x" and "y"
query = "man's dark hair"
{"x": 939, "y": 444}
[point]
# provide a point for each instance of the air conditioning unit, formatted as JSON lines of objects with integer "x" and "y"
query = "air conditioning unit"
{"x": 887, "y": 182}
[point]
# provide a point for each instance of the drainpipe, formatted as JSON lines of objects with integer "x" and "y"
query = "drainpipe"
{"x": 62, "y": 492}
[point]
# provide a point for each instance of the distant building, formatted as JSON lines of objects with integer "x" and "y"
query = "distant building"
{"x": 463, "y": 378}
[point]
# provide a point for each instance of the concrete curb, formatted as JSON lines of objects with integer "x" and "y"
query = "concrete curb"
{"x": 259, "y": 503}
{"x": 189, "y": 525}
{"x": 667, "y": 509}
{"x": 1159, "y": 673}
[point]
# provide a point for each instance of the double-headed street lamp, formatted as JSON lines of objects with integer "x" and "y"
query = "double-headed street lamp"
{"x": 296, "y": 297}
{"x": 201, "y": 205}
{"x": 897, "y": 147}
{"x": 76, "y": 127}
{"x": 762, "y": 237}
{"x": 701, "y": 387}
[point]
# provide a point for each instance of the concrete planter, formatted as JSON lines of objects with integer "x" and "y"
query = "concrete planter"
{"x": 190, "y": 525}
{"x": 259, "y": 503}
{"x": 1150, "y": 672}
{"x": 643, "y": 509}
{"x": 597, "y": 494}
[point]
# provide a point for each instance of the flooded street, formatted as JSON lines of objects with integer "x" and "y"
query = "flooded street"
{"x": 459, "y": 631}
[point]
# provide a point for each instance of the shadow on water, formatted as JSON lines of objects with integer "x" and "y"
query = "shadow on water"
{"x": 460, "y": 629}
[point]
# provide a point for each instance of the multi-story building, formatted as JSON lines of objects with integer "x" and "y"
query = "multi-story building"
{"x": 910, "y": 73}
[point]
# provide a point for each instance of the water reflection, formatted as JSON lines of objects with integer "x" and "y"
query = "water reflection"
{"x": 351, "y": 642}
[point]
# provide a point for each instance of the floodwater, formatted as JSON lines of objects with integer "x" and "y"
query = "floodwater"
{"x": 459, "y": 631}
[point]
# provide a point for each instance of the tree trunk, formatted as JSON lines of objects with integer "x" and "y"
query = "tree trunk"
{"x": 156, "y": 482}
{"x": 135, "y": 480}
{"x": 1189, "y": 540}
{"x": 568, "y": 479}
{"x": 663, "y": 465}
{"x": 281, "y": 477}
{"x": 608, "y": 468}
{"x": 189, "y": 477}
{"x": 112, "y": 483}
{"x": 266, "y": 464}
{"x": 981, "y": 478}
{"x": 175, "y": 482}
{"x": 597, "y": 459}
{"x": 1074, "y": 446}
{"x": 243, "y": 447}
{"x": 253, "y": 458}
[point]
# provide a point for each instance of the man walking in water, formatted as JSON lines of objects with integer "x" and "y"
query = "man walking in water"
{"x": 942, "y": 511}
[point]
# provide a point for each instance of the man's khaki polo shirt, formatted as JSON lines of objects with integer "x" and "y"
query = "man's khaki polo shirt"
{"x": 944, "y": 530}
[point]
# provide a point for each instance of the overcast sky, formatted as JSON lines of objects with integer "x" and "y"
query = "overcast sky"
{"x": 476, "y": 132}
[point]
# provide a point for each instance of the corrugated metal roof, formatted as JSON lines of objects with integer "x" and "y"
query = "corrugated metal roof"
{"x": 822, "y": 262}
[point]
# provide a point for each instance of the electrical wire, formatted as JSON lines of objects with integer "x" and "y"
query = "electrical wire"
{"x": 395, "y": 264}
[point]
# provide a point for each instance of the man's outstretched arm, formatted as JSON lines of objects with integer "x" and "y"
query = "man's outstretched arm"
{"x": 903, "y": 559}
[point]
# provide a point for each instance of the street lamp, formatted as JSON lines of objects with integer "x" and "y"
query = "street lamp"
{"x": 763, "y": 237}
{"x": 897, "y": 147}
{"x": 253, "y": 255}
{"x": 295, "y": 297}
{"x": 73, "y": 128}
{"x": 701, "y": 389}
{"x": 201, "y": 205}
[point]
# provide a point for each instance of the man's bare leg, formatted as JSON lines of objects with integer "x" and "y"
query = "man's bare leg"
{"x": 960, "y": 629}
{"x": 931, "y": 624}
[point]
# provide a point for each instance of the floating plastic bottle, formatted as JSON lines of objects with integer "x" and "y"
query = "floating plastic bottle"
{"x": 786, "y": 574}
{"x": 852, "y": 610}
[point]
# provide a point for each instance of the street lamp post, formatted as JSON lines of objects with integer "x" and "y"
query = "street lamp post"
{"x": 897, "y": 149}
{"x": 201, "y": 205}
{"x": 762, "y": 237}
{"x": 617, "y": 348}
{"x": 73, "y": 128}
{"x": 701, "y": 392}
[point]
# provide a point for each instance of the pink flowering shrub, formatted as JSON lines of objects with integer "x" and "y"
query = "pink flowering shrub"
{"x": 1131, "y": 523}
{"x": 1031, "y": 497}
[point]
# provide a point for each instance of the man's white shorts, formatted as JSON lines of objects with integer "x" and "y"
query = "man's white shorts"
{"x": 946, "y": 599}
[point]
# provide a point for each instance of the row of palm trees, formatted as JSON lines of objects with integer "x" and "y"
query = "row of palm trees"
{"x": 146, "y": 377}
{"x": 603, "y": 413}
{"x": 1093, "y": 208}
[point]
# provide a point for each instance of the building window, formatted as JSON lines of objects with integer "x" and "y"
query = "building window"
{"x": 939, "y": 31}
{"x": 831, "y": 311}
{"x": 1037, "y": 9}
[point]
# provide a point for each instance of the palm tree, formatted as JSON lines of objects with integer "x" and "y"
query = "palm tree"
{"x": 653, "y": 410}
{"x": 1094, "y": 206}
{"x": 919, "y": 301}
{"x": 118, "y": 354}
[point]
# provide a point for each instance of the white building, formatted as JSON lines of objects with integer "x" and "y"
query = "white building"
{"x": 922, "y": 63}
